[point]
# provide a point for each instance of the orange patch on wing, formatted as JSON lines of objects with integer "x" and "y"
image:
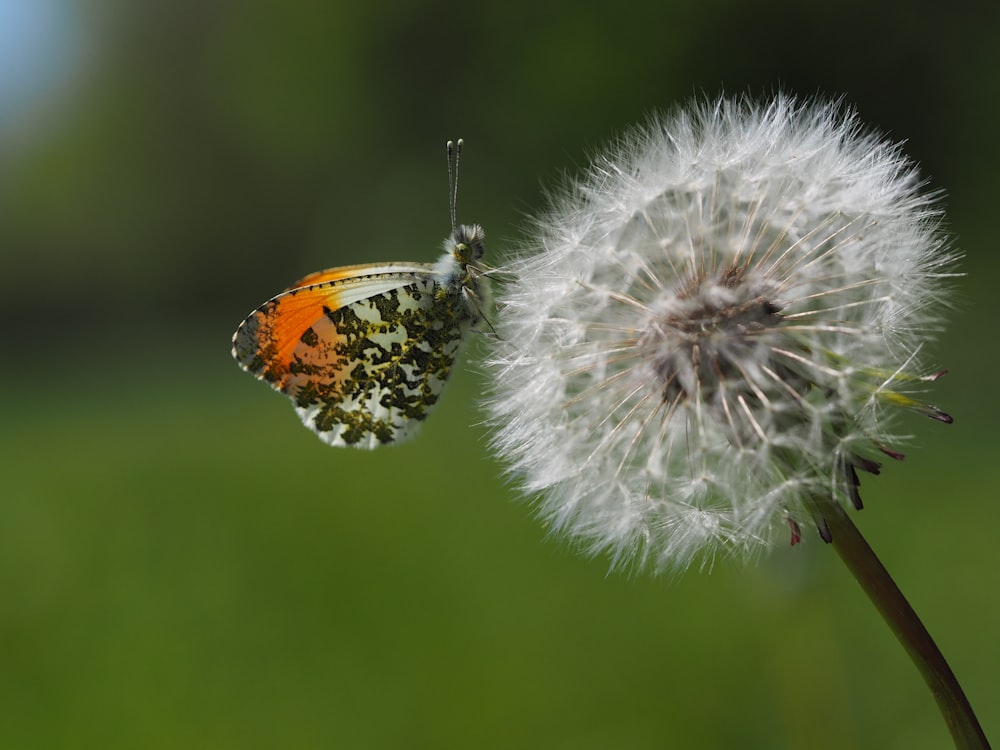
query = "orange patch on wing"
{"x": 283, "y": 320}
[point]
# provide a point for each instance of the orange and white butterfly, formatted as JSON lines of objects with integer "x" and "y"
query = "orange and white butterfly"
{"x": 364, "y": 351}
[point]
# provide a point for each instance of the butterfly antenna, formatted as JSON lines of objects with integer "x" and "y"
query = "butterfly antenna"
{"x": 454, "y": 160}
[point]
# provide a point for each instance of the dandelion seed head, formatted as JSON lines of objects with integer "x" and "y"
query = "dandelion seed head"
{"x": 714, "y": 322}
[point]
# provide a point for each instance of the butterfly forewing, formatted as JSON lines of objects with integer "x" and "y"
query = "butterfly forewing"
{"x": 362, "y": 351}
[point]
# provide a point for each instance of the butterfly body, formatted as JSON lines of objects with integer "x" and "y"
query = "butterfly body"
{"x": 364, "y": 351}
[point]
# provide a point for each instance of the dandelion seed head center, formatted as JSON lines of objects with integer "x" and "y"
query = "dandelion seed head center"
{"x": 708, "y": 333}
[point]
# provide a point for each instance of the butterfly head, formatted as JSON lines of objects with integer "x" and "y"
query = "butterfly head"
{"x": 467, "y": 244}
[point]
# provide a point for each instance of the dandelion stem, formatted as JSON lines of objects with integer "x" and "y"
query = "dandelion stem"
{"x": 868, "y": 570}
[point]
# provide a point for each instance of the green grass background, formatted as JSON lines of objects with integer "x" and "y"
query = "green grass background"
{"x": 183, "y": 565}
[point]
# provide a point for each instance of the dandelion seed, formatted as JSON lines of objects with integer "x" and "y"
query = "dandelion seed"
{"x": 715, "y": 325}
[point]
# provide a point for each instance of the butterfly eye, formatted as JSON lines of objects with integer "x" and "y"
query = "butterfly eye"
{"x": 462, "y": 253}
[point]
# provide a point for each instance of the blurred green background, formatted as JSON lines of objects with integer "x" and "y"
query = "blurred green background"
{"x": 183, "y": 565}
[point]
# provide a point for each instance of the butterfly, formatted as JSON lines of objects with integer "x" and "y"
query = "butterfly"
{"x": 364, "y": 351}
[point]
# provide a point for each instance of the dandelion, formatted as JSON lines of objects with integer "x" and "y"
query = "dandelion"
{"x": 713, "y": 331}
{"x": 718, "y": 324}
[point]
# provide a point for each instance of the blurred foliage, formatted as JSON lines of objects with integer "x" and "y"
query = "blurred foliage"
{"x": 181, "y": 564}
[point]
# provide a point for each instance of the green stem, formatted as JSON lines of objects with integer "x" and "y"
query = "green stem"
{"x": 868, "y": 570}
